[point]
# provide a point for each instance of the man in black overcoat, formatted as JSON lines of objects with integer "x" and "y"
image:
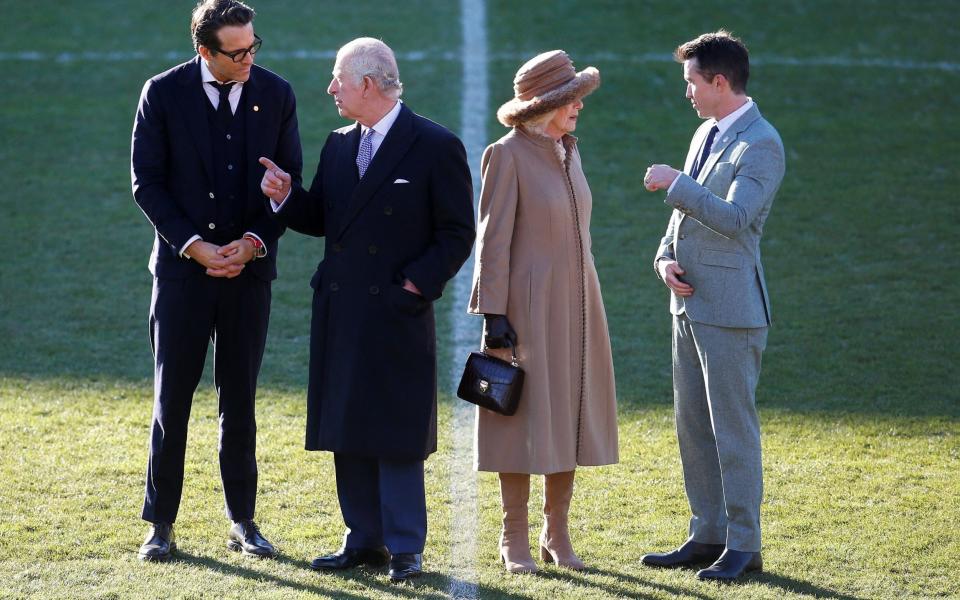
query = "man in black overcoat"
{"x": 199, "y": 130}
{"x": 393, "y": 197}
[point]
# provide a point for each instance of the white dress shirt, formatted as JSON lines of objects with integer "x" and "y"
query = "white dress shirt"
{"x": 380, "y": 130}
{"x": 722, "y": 126}
{"x": 213, "y": 93}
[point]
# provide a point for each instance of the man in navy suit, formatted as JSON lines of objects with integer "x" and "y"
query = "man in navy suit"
{"x": 199, "y": 130}
{"x": 393, "y": 197}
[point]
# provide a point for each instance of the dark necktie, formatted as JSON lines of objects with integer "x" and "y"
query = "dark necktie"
{"x": 224, "y": 114}
{"x": 706, "y": 152}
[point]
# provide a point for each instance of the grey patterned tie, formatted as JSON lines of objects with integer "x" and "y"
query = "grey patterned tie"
{"x": 365, "y": 154}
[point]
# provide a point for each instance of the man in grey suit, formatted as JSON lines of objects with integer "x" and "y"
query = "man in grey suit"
{"x": 710, "y": 260}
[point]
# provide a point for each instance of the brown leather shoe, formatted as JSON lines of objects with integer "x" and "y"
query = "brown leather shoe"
{"x": 555, "y": 546}
{"x": 515, "y": 536}
{"x": 159, "y": 543}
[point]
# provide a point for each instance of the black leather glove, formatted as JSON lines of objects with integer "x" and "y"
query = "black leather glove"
{"x": 499, "y": 332}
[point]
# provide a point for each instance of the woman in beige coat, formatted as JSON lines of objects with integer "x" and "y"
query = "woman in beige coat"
{"x": 536, "y": 286}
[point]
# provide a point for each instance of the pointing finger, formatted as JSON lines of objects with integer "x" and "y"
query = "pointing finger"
{"x": 269, "y": 164}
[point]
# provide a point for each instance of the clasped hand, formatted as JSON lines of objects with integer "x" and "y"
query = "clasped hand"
{"x": 222, "y": 261}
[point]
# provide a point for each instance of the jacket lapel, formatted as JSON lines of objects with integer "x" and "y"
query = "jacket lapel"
{"x": 394, "y": 146}
{"x": 253, "y": 112}
{"x": 721, "y": 144}
{"x": 195, "y": 113}
{"x": 696, "y": 146}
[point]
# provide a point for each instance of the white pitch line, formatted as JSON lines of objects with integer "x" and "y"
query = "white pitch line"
{"x": 519, "y": 57}
{"x": 466, "y": 328}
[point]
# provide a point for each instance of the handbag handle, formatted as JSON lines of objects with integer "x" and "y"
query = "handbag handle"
{"x": 513, "y": 353}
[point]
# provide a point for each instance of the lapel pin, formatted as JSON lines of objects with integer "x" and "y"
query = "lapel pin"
{"x": 256, "y": 108}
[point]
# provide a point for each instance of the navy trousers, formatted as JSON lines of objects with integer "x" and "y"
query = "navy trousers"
{"x": 383, "y": 503}
{"x": 185, "y": 316}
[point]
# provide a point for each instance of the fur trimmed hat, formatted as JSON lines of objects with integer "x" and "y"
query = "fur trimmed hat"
{"x": 545, "y": 82}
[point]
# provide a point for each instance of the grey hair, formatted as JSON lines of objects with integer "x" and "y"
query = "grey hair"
{"x": 369, "y": 57}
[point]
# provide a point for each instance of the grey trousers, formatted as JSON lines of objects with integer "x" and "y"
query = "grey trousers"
{"x": 715, "y": 374}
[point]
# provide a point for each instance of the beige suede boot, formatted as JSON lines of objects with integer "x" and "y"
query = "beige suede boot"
{"x": 515, "y": 537}
{"x": 555, "y": 538}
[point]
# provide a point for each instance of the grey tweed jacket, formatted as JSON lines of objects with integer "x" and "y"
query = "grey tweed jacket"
{"x": 717, "y": 222}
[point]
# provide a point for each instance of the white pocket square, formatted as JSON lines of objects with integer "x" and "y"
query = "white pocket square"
{"x": 401, "y": 181}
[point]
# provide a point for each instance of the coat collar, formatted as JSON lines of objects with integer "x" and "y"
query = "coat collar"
{"x": 721, "y": 143}
{"x": 393, "y": 148}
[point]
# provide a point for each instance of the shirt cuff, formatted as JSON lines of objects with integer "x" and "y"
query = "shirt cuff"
{"x": 675, "y": 180}
{"x": 259, "y": 239}
{"x": 187, "y": 245}
{"x": 276, "y": 207}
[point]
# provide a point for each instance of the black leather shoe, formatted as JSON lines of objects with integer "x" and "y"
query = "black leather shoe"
{"x": 730, "y": 565}
{"x": 245, "y": 537}
{"x": 405, "y": 566}
{"x": 159, "y": 544}
{"x": 690, "y": 554}
{"x": 348, "y": 558}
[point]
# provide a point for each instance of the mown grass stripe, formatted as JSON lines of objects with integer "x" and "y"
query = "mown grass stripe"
{"x": 463, "y": 480}
{"x": 430, "y": 55}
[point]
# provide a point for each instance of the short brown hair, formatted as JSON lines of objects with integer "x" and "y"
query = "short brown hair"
{"x": 210, "y": 15}
{"x": 718, "y": 53}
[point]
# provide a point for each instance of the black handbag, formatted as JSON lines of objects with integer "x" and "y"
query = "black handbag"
{"x": 492, "y": 383}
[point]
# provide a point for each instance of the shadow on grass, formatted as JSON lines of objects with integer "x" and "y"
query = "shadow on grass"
{"x": 627, "y": 590}
{"x": 429, "y": 586}
{"x": 796, "y": 586}
{"x": 630, "y": 583}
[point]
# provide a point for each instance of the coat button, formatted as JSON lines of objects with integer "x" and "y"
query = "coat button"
{"x": 337, "y": 248}
{"x": 229, "y": 167}
{"x": 211, "y": 226}
{"x": 388, "y": 210}
{"x": 228, "y": 136}
{"x": 372, "y": 249}
{"x": 334, "y": 287}
{"x": 211, "y": 194}
{"x": 683, "y": 236}
{"x": 374, "y": 290}
{"x": 329, "y": 205}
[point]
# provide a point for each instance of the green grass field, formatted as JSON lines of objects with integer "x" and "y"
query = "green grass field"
{"x": 858, "y": 400}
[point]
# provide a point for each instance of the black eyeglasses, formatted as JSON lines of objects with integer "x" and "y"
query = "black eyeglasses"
{"x": 240, "y": 55}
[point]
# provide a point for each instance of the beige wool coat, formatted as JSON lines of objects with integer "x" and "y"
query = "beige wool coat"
{"x": 534, "y": 264}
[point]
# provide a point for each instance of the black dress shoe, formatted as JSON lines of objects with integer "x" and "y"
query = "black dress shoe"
{"x": 245, "y": 537}
{"x": 405, "y": 566}
{"x": 690, "y": 554}
{"x": 348, "y": 558}
{"x": 159, "y": 543}
{"x": 730, "y": 565}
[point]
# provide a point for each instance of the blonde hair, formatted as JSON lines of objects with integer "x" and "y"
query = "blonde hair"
{"x": 538, "y": 124}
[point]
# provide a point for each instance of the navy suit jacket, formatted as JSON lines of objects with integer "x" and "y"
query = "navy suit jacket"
{"x": 172, "y": 171}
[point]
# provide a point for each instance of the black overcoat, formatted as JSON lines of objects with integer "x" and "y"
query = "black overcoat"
{"x": 372, "y": 389}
